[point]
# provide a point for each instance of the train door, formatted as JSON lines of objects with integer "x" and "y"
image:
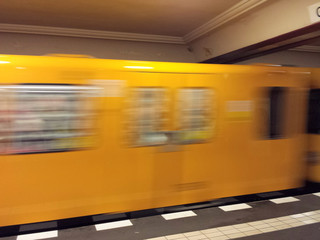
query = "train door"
{"x": 313, "y": 167}
{"x": 151, "y": 138}
{"x": 196, "y": 119}
{"x": 279, "y": 145}
{"x": 172, "y": 126}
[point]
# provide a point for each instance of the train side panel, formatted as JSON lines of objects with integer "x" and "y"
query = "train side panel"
{"x": 160, "y": 135}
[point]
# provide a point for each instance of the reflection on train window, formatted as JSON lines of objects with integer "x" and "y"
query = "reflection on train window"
{"x": 314, "y": 112}
{"x": 195, "y": 114}
{"x": 273, "y": 115}
{"x": 45, "y": 118}
{"x": 147, "y": 109}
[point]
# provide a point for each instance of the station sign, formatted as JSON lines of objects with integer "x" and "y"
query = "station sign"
{"x": 314, "y": 12}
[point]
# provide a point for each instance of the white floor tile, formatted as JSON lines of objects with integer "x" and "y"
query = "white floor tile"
{"x": 271, "y": 220}
{"x": 231, "y": 231}
{"x": 252, "y": 232}
{"x": 235, "y": 207}
{"x": 284, "y": 218}
{"x": 270, "y": 229}
{"x": 224, "y": 228}
{"x": 220, "y": 238}
{"x": 296, "y": 224}
{"x": 41, "y": 235}
{"x": 284, "y": 200}
{"x": 245, "y": 229}
{"x": 316, "y": 218}
{"x": 210, "y": 230}
{"x": 300, "y": 215}
{"x": 190, "y": 234}
{"x": 274, "y": 224}
{"x": 215, "y": 234}
{"x": 310, "y": 221}
{"x": 310, "y": 213}
{"x": 264, "y": 225}
{"x": 241, "y": 225}
{"x": 249, "y": 228}
{"x": 290, "y": 221}
{"x": 198, "y": 237}
{"x": 111, "y": 225}
{"x": 236, "y": 235}
{"x": 157, "y": 238}
{"x": 283, "y": 226}
{"x": 175, "y": 236}
{"x": 170, "y": 216}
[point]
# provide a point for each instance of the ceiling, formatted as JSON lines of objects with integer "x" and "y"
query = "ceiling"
{"x": 167, "y": 21}
{"x": 161, "y": 17}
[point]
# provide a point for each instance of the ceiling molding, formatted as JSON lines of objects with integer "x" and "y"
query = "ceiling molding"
{"x": 307, "y": 48}
{"x": 223, "y": 18}
{"x": 299, "y": 37}
{"x": 83, "y": 33}
{"x": 240, "y": 8}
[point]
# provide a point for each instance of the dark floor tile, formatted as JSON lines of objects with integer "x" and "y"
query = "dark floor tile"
{"x": 38, "y": 227}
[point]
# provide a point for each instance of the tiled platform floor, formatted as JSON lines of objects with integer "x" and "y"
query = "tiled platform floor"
{"x": 284, "y": 218}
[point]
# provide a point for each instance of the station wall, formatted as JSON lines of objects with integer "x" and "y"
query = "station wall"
{"x": 288, "y": 58}
{"x": 31, "y": 44}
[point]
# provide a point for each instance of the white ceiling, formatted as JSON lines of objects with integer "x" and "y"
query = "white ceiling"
{"x": 162, "y": 17}
{"x": 176, "y": 21}
{"x": 168, "y": 21}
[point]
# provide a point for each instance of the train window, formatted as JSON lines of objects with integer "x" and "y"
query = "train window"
{"x": 147, "y": 116}
{"x": 273, "y": 112}
{"x": 46, "y": 118}
{"x": 314, "y": 112}
{"x": 195, "y": 121}
{"x": 4, "y": 120}
{"x": 276, "y": 124}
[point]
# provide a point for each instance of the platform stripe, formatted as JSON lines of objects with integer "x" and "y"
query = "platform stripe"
{"x": 112, "y": 225}
{"x": 41, "y": 235}
{"x": 249, "y": 228}
{"x": 234, "y": 207}
{"x": 170, "y": 216}
{"x": 284, "y": 200}
{"x": 317, "y": 194}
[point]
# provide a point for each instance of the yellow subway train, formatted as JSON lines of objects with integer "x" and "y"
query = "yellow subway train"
{"x": 82, "y": 136}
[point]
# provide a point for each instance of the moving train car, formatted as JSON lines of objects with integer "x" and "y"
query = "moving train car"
{"x": 82, "y": 136}
{"x": 313, "y": 155}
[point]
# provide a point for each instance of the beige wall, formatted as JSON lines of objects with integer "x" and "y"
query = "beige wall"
{"x": 25, "y": 44}
{"x": 291, "y": 58}
{"x": 274, "y": 18}
{"x": 30, "y": 44}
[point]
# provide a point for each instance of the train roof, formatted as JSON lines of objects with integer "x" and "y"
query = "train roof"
{"x": 86, "y": 62}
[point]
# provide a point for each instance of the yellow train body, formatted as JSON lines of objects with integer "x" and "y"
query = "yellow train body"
{"x": 313, "y": 165}
{"x": 118, "y": 167}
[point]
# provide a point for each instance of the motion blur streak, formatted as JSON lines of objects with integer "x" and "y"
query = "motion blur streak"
{"x": 85, "y": 136}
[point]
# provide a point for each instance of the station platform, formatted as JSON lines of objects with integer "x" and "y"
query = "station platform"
{"x": 265, "y": 216}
